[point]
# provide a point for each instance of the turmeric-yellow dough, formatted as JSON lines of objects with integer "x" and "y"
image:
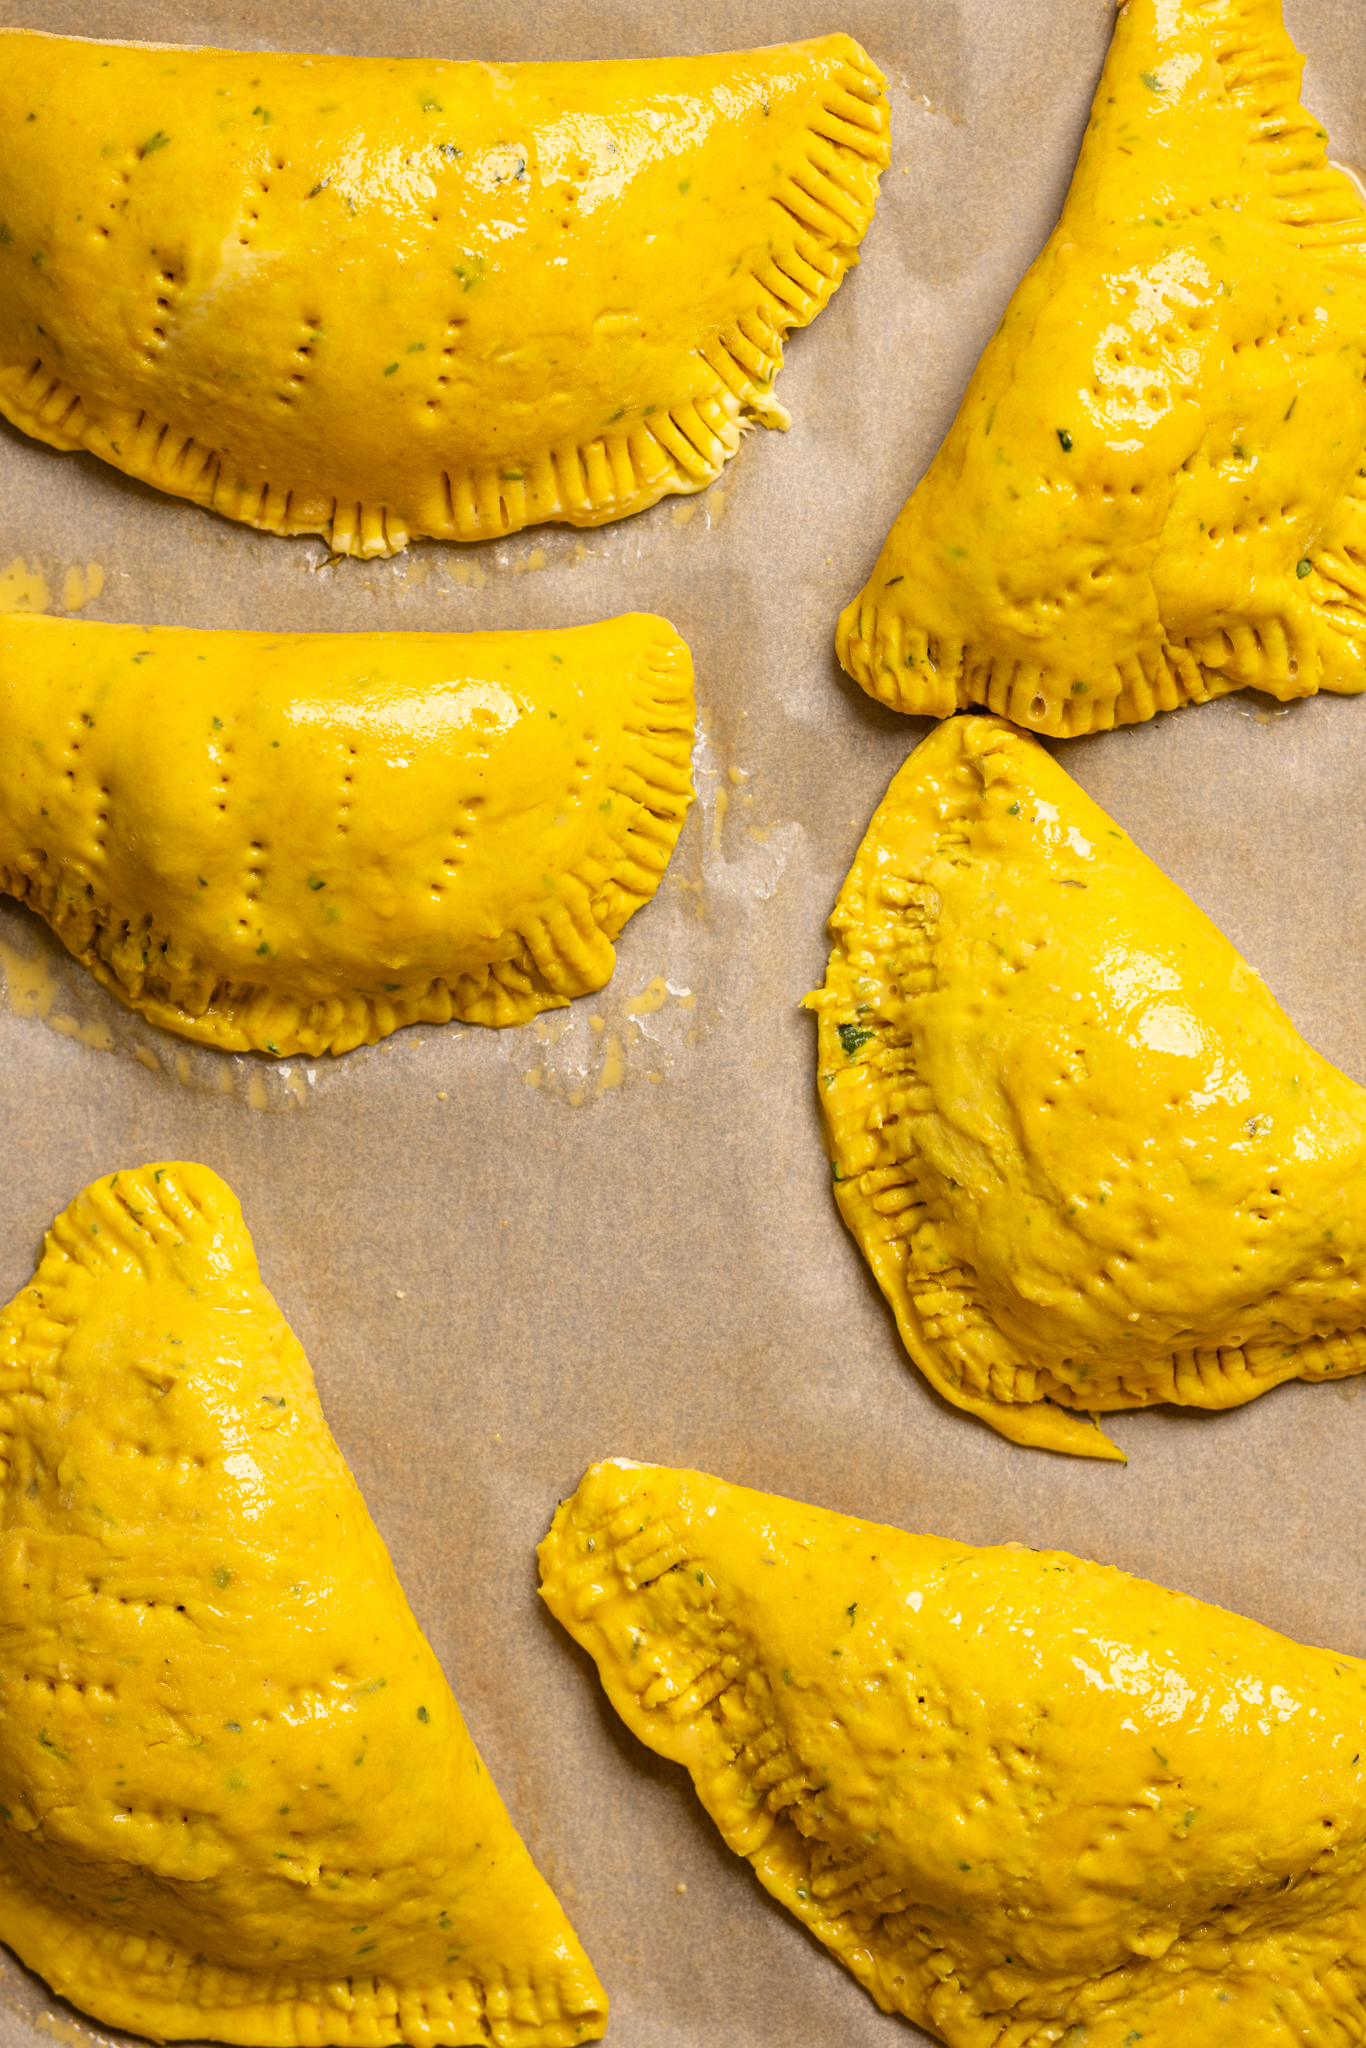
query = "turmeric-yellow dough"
{"x": 375, "y": 300}
{"x": 1027, "y": 1800}
{"x": 1089, "y": 1159}
{"x": 1155, "y": 489}
{"x": 296, "y": 842}
{"x": 237, "y": 1798}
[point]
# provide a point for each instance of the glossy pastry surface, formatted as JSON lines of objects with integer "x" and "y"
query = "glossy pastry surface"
{"x": 295, "y": 843}
{"x": 237, "y": 1798}
{"x": 1088, "y": 1157}
{"x": 377, "y": 299}
{"x": 1155, "y": 489}
{"x": 1025, "y": 1799}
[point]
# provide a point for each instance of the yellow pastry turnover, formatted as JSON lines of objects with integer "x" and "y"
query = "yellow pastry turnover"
{"x": 1026, "y": 1800}
{"x": 297, "y": 842}
{"x": 374, "y": 300}
{"x": 1155, "y": 489}
{"x": 1090, "y": 1161}
{"x": 237, "y": 1798}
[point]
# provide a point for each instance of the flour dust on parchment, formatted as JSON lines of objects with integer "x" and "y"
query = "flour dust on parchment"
{"x": 585, "y": 1052}
{"x": 729, "y": 862}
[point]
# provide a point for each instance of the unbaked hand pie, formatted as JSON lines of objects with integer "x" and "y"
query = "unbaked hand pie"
{"x": 296, "y": 842}
{"x": 1026, "y": 1800}
{"x": 1155, "y": 489}
{"x": 237, "y": 1798}
{"x": 376, "y": 300}
{"x": 1089, "y": 1159}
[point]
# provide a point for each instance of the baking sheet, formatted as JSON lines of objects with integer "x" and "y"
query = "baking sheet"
{"x": 509, "y": 1254}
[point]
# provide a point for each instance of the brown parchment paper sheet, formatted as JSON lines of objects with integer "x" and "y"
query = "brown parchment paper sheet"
{"x": 511, "y": 1253}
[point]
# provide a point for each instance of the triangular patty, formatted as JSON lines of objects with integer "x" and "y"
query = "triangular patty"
{"x": 1155, "y": 489}
{"x": 237, "y": 1798}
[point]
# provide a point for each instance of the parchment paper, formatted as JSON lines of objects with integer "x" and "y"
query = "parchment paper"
{"x": 511, "y": 1253}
